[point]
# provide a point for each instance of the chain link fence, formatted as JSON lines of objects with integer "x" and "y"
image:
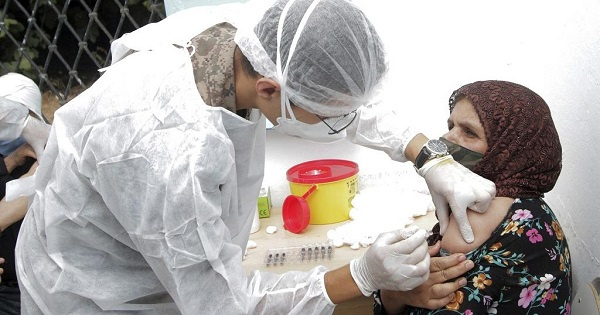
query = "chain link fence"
{"x": 61, "y": 44}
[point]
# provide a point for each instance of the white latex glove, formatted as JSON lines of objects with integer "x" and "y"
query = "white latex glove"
{"x": 397, "y": 261}
{"x": 452, "y": 184}
{"x": 36, "y": 133}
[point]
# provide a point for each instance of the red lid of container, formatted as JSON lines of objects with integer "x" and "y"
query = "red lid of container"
{"x": 321, "y": 171}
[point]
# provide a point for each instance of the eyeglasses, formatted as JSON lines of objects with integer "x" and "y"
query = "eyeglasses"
{"x": 339, "y": 123}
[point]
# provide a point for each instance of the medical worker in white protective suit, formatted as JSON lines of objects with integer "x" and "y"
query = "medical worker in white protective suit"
{"x": 146, "y": 192}
{"x": 21, "y": 117}
{"x": 21, "y": 121}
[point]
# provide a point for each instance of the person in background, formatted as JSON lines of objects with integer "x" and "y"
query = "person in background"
{"x": 21, "y": 117}
{"x": 150, "y": 177}
{"x": 19, "y": 96}
{"x": 504, "y": 132}
{"x": 20, "y": 163}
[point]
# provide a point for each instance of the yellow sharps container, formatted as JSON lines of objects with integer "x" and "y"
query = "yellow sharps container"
{"x": 334, "y": 183}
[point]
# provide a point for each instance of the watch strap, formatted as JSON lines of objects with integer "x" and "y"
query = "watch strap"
{"x": 423, "y": 156}
{"x": 426, "y": 154}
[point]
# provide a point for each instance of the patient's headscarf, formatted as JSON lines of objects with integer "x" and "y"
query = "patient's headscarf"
{"x": 524, "y": 155}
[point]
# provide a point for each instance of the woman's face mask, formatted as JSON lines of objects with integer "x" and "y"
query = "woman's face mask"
{"x": 462, "y": 155}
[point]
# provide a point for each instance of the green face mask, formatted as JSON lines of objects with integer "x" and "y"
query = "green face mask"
{"x": 462, "y": 155}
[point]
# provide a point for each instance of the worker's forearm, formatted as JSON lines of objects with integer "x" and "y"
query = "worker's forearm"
{"x": 12, "y": 211}
{"x": 340, "y": 285}
{"x": 414, "y": 146}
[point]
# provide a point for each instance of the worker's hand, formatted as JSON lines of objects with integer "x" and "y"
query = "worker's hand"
{"x": 436, "y": 291}
{"x": 36, "y": 133}
{"x": 18, "y": 157}
{"x": 453, "y": 184}
{"x": 397, "y": 261}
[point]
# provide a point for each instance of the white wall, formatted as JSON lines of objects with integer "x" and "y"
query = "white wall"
{"x": 552, "y": 47}
{"x": 172, "y": 6}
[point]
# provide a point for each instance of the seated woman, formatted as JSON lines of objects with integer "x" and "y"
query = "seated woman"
{"x": 505, "y": 133}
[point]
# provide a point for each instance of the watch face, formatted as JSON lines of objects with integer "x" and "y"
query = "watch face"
{"x": 436, "y": 146}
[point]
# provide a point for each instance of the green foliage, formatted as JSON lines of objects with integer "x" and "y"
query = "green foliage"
{"x": 12, "y": 25}
{"x": 25, "y": 39}
{"x": 10, "y": 56}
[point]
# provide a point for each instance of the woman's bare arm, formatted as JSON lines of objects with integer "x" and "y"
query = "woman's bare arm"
{"x": 483, "y": 225}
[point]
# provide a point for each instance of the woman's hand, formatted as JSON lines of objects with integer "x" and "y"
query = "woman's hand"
{"x": 32, "y": 169}
{"x": 436, "y": 291}
{"x": 18, "y": 157}
{"x": 1, "y": 270}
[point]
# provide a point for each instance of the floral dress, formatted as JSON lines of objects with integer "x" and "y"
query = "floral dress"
{"x": 523, "y": 268}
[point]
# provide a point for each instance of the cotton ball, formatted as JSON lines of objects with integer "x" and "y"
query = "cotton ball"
{"x": 419, "y": 203}
{"x": 378, "y": 210}
{"x": 365, "y": 241}
{"x": 251, "y": 244}
{"x": 353, "y": 214}
{"x": 335, "y": 238}
{"x": 431, "y": 207}
{"x": 338, "y": 242}
{"x": 271, "y": 229}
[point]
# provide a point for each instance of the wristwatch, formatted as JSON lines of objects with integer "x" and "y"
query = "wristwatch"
{"x": 432, "y": 149}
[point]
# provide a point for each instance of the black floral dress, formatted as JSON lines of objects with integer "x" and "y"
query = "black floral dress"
{"x": 523, "y": 268}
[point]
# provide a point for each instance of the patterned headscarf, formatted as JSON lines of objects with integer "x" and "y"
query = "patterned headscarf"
{"x": 524, "y": 155}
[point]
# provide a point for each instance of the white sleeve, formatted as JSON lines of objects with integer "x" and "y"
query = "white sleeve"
{"x": 383, "y": 128}
{"x": 293, "y": 292}
{"x": 171, "y": 184}
{"x": 172, "y": 210}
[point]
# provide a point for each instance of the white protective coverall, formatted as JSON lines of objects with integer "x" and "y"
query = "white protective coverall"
{"x": 140, "y": 138}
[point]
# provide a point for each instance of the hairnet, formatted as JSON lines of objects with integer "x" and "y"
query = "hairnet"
{"x": 12, "y": 119}
{"x": 21, "y": 89}
{"x": 326, "y": 55}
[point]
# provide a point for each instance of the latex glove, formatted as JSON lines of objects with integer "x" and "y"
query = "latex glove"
{"x": 36, "y": 133}
{"x": 452, "y": 184}
{"x": 397, "y": 261}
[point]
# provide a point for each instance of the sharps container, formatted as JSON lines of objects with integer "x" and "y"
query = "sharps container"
{"x": 327, "y": 186}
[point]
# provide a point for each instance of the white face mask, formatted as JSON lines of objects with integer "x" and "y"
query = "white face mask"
{"x": 318, "y": 132}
